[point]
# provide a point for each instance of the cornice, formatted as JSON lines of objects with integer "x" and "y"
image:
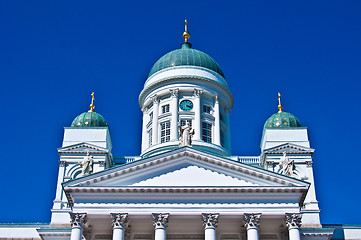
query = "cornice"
{"x": 172, "y": 78}
{"x": 75, "y": 149}
{"x": 185, "y": 190}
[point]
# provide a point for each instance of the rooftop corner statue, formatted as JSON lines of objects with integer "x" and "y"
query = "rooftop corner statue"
{"x": 186, "y": 133}
{"x": 185, "y": 174}
{"x": 286, "y": 165}
{"x": 87, "y": 165}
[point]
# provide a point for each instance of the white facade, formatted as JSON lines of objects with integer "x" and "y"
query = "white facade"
{"x": 198, "y": 191}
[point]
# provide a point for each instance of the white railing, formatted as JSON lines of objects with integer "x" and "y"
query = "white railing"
{"x": 249, "y": 159}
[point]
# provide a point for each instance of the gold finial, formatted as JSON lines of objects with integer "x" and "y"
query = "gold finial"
{"x": 186, "y": 34}
{"x": 92, "y": 104}
{"x": 279, "y": 103}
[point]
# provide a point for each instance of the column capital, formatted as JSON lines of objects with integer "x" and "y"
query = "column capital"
{"x": 160, "y": 220}
{"x": 174, "y": 92}
{"x": 197, "y": 92}
{"x": 62, "y": 163}
{"x": 252, "y": 220}
{"x": 216, "y": 99}
{"x": 155, "y": 99}
{"x": 119, "y": 220}
{"x": 77, "y": 220}
{"x": 210, "y": 220}
{"x": 293, "y": 220}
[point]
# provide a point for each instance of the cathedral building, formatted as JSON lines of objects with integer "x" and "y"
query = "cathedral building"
{"x": 185, "y": 184}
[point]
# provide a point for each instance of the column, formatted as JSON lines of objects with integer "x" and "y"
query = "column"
{"x": 160, "y": 223}
{"x": 293, "y": 222}
{"x": 217, "y": 125}
{"x": 119, "y": 221}
{"x": 77, "y": 223}
{"x": 144, "y": 130}
{"x": 197, "y": 115}
{"x": 210, "y": 221}
{"x": 155, "y": 123}
{"x": 228, "y": 130}
{"x": 251, "y": 224}
{"x": 174, "y": 111}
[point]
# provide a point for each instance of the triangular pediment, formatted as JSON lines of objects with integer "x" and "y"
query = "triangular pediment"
{"x": 82, "y": 148}
{"x": 289, "y": 148}
{"x": 185, "y": 167}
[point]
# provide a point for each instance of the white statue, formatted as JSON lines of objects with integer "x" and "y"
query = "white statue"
{"x": 87, "y": 164}
{"x": 286, "y": 165}
{"x": 186, "y": 133}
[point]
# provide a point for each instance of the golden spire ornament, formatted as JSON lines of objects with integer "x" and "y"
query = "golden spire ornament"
{"x": 279, "y": 103}
{"x": 92, "y": 104}
{"x": 186, "y": 34}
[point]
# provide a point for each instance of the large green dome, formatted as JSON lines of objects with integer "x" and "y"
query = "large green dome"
{"x": 89, "y": 119}
{"x": 281, "y": 120}
{"x": 186, "y": 56}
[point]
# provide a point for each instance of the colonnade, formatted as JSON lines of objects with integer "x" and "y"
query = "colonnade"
{"x": 210, "y": 221}
{"x": 173, "y": 109}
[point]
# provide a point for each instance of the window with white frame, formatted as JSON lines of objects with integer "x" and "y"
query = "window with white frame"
{"x": 206, "y": 108}
{"x": 165, "y": 108}
{"x": 165, "y": 132}
{"x": 151, "y": 117}
{"x": 207, "y": 132}
{"x": 150, "y": 137}
{"x": 184, "y": 121}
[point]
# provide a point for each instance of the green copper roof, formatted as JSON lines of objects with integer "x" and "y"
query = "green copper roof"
{"x": 89, "y": 119}
{"x": 186, "y": 56}
{"x": 281, "y": 120}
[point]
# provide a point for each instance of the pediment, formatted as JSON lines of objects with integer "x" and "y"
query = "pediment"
{"x": 185, "y": 167}
{"x": 82, "y": 148}
{"x": 289, "y": 148}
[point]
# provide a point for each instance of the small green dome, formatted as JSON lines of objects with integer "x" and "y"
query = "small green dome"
{"x": 186, "y": 56}
{"x": 281, "y": 120}
{"x": 89, "y": 119}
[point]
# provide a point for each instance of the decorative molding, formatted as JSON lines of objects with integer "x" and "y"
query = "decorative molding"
{"x": 77, "y": 148}
{"x": 101, "y": 163}
{"x": 210, "y": 220}
{"x": 155, "y": 99}
{"x": 174, "y": 92}
{"x": 119, "y": 220}
{"x": 251, "y": 220}
{"x": 270, "y": 164}
{"x": 309, "y": 163}
{"x": 289, "y": 148}
{"x": 293, "y": 220}
{"x": 160, "y": 220}
{"x": 197, "y": 92}
{"x": 62, "y": 163}
{"x": 173, "y": 79}
{"x": 77, "y": 220}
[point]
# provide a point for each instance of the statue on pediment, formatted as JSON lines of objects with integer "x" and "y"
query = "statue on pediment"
{"x": 87, "y": 165}
{"x": 186, "y": 133}
{"x": 286, "y": 165}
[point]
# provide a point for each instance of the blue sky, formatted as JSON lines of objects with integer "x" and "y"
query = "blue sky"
{"x": 55, "y": 53}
